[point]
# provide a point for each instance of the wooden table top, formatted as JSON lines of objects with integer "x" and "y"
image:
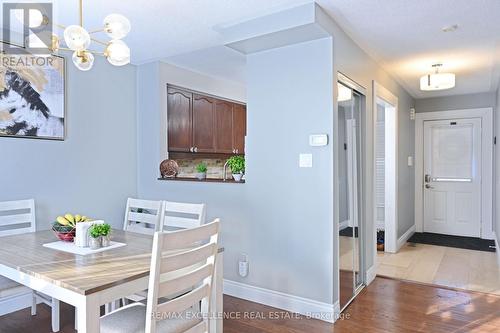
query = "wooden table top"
{"x": 82, "y": 274}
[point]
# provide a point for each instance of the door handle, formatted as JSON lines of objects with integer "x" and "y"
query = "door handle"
{"x": 427, "y": 186}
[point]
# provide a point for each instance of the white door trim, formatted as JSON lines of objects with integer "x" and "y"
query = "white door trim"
{"x": 486, "y": 115}
{"x": 391, "y": 167}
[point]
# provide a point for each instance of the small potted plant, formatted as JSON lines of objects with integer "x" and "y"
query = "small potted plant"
{"x": 105, "y": 235}
{"x": 201, "y": 171}
{"x": 237, "y": 165}
{"x": 95, "y": 236}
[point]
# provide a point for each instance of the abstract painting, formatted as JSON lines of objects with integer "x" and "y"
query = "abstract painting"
{"x": 32, "y": 97}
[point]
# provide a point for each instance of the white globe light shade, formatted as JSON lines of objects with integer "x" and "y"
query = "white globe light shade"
{"x": 116, "y": 26}
{"x": 118, "y": 53}
{"x": 438, "y": 81}
{"x": 76, "y": 38}
{"x": 83, "y": 60}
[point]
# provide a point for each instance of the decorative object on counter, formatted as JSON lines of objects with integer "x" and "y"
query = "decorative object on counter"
{"x": 99, "y": 236}
{"x": 169, "y": 168}
{"x": 82, "y": 232}
{"x": 105, "y": 235}
{"x": 65, "y": 226}
{"x": 237, "y": 165}
{"x": 201, "y": 170}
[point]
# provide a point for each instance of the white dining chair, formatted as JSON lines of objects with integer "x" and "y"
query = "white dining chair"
{"x": 182, "y": 261}
{"x": 182, "y": 215}
{"x": 174, "y": 216}
{"x": 18, "y": 217}
{"x": 143, "y": 216}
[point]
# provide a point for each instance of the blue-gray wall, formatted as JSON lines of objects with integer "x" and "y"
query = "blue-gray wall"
{"x": 282, "y": 217}
{"x": 94, "y": 170}
{"x": 456, "y": 102}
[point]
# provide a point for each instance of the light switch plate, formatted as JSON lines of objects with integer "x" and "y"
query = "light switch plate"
{"x": 318, "y": 140}
{"x": 305, "y": 160}
{"x": 410, "y": 161}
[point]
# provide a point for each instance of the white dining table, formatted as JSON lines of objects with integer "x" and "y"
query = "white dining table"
{"x": 89, "y": 281}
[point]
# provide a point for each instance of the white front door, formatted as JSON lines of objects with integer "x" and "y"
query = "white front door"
{"x": 452, "y": 177}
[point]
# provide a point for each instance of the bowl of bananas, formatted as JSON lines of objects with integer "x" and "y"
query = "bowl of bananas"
{"x": 65, "y": 226}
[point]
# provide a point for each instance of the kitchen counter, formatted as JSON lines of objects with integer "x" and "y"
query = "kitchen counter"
{"x": 207, "y": 180}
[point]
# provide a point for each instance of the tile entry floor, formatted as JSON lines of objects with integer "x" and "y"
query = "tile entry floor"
{"x": 444, "y": 266}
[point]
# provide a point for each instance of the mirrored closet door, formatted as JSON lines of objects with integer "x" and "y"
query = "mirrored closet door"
{"x": 350, "y": 107}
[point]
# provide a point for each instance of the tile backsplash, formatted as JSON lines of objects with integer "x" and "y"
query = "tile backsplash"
{"x": 215, "y": 167}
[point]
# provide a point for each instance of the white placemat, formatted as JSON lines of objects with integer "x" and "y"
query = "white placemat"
{"x": 72, "y": 248}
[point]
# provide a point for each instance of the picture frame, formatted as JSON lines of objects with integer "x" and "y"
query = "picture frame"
{"x": 33, "y": 97}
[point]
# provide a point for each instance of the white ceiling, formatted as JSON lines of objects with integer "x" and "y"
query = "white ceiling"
{"x": 404, "y": 36}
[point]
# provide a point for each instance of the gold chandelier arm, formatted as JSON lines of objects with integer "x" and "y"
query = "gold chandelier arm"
{"x": 81, "y": 13}
{"x": 99, "y": 41}
{"x": 60, "y": 26}
{"x": 96, "y": 31}
{"x": 99, "y": 53}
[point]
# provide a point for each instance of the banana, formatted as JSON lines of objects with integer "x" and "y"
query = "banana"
{"x": 70, "y": 218}
{"x": 78, "y": 218}
{"x": 62, "y": 221}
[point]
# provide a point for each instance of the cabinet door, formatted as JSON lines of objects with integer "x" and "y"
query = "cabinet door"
{"x": 179, "y": 115}
{"x": 239, "y": 127}
{"x": 203, "y": 124}
{"x": 224, "y": 127}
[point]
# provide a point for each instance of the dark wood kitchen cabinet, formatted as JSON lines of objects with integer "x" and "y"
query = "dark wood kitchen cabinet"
{"x": 205, "y": 124}
{"x": 180, "y": 134}
{"x": 224, "y": 125}
{"x": 239, "y": 128}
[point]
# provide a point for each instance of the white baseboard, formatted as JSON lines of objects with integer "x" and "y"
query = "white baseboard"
{"x": 276, "y": 299}
{"x": 15, "y": 303}
{"x": 402, "y": 240}
{"x": 371, "y": 273}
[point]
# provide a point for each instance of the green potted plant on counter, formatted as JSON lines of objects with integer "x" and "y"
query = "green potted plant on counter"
{"x": 105, "y": 235}
{"x": 237, "y": 165}
{"x": 201, "y": 170}
{"x": 95, "y": 241}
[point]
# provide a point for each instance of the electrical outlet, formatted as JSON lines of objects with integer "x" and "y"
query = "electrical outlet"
{"x": 243, "y": 265}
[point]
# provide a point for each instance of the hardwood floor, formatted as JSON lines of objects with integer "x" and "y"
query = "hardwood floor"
{"x": 386, "y": 306}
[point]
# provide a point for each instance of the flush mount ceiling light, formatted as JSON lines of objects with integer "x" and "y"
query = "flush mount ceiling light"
{"x": 78, "y": 40}
{"x": 437, "y": 81}
{"x": 344, "y": 93}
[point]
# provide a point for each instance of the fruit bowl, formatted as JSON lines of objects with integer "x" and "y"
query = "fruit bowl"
{"x": 64, "y": 233}
{"x": 65, "y": 226}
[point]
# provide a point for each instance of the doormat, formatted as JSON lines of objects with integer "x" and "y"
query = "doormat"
{"x": 468, "y": 243}
{"x": 347, "y": 232}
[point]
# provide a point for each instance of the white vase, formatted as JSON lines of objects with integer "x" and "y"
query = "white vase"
{"x": 95, "y": 243}
{"x": 237, "y": 176}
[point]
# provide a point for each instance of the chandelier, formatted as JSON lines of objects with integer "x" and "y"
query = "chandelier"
{"x": 78, "y": 40}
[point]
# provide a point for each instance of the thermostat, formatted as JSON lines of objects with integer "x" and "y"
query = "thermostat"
{"x": 318, "y": 140}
